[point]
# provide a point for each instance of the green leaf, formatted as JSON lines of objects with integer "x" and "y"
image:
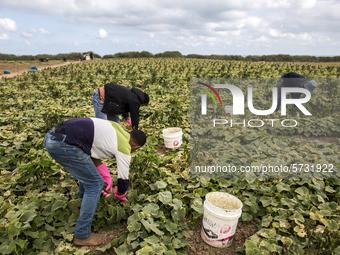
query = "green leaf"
{"x": 49, "y": 227}
{"x": 329, "y": 189}
{"x": 266, "y": 201}
{"x": 176, "y": 203}
{"x": 133, "y": 224}
{"x": 266, "y": 220}
{"x": 14, "y": 228}
{"x": 246, "y": 216}
{"x": 197, "y": 205}
{"x": 297, "y": 217}
{"x": 121, "y": 250}
{"x": 333, "y": 225}
{"x": 178, "y": 215}
{"x": 152, "y": 239}
{"x": 28, "y": 216}
{"x": 282, "y": 187}
{"x": 179, "y": 243}
{"x": 286, "y": 241}
{"x": 146, "y": 250}
{"x": 131, "y": 237}
{"x": 149, "y": 225}
{"x": 160, "y": 185}
{"x": 270, "y": 246}
{"x": 300, "y": 230}
{"x": 267, "y": 233}
{"x": 104, "y": 248}
{"x": 302, "y": 191}
{"x": 251, "y": 247}
{"x": 337, "y": 250}
{"x": 12, "y": 215}
{"x": 165, "y": 197}
{"x": 158, "y": 248}
{"x": 7, "y": 247}
{"x": 120, "y": 213}
{"x": 171, "y": 226}
{"x": 152, "y": 209}
{"x": 291, "y": 203}
{"x": 57, "y": 205}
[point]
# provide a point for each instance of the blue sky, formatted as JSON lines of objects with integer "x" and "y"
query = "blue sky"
{"x": 243, "y": 27}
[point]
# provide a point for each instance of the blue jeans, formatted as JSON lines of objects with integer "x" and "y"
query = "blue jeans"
{"x": 98, "y": 106}
{"x": 80, "y": 166}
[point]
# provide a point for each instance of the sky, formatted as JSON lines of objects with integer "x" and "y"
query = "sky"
{"x": 224, "y": 27}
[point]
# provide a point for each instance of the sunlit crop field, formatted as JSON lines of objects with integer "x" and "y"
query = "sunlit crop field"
{"x": 39, "y": 200}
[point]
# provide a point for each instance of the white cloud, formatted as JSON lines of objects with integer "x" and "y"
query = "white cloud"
{"x": 262, "y": 39}
{"x": 308, "y": 3}
{"x": 32, "y": 32}
{"x": 291, "y": 3}
{"x": 4, "y": 37}
{"x": 102, "y": 33}
{"x": 8, "y": 24}
{"x": 242, "y": 24}
{"x": 27, "y": 34}
{"x": 43, "y": 31}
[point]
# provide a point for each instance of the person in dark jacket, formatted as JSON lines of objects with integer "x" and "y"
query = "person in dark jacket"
{"x": 294, "y": 80}
{"x": 111, "y": 100}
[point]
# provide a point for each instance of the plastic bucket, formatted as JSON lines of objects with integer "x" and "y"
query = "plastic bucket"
{"x": 172, "y": 137}
{"x": 220, "y": 222}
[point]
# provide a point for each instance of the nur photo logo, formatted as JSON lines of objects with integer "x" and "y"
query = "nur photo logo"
{"x": 278, "y": 98}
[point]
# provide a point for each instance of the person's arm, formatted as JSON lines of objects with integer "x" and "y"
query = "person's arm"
{"x": 123, "y": 165}
{"x": 97, "y": 162}
{"x": 105, "y": 173}
{"x": 127, "y": 118}
{"x": 134, "y": 114}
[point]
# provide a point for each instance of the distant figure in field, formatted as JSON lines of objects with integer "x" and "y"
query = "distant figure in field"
{"x": 294, "y": 80}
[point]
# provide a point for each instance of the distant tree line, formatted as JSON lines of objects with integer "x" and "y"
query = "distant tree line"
{"x": 269, "y": 58}
{"x": 177, "y": 54}
{"x": 61, "y": 56}
{"x": 145, "y": 54}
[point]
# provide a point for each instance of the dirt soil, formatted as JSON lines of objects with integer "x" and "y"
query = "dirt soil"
{"x": 110, "y": 235}
{"x": 20, "y": 67}
{"x": 198, "y": 247}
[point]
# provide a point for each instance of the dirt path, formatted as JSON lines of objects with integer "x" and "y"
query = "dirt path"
{"x": 21, "y": 67}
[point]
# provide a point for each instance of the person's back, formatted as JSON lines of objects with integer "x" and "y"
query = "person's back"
{"x": 113, "y": 100}
{"x": 294, "y": 80}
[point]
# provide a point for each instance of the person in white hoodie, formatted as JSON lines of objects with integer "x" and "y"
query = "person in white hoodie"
{"x": 79, "y": 145}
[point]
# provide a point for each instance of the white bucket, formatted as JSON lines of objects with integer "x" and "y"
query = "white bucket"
{"x": 219, "y": 223}
{"x": 172, "y": 137}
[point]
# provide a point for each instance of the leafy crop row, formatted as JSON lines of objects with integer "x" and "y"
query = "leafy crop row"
{"x": 39, "y": 201}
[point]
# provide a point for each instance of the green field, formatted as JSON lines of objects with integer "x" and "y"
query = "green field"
{"x": 39, "y": 200}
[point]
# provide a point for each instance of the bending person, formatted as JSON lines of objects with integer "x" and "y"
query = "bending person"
{"x": 111, "y": 100}
{"x": 78, "y": 145}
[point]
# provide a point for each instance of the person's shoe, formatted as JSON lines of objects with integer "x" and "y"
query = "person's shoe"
{"x": 92, "y": 240}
